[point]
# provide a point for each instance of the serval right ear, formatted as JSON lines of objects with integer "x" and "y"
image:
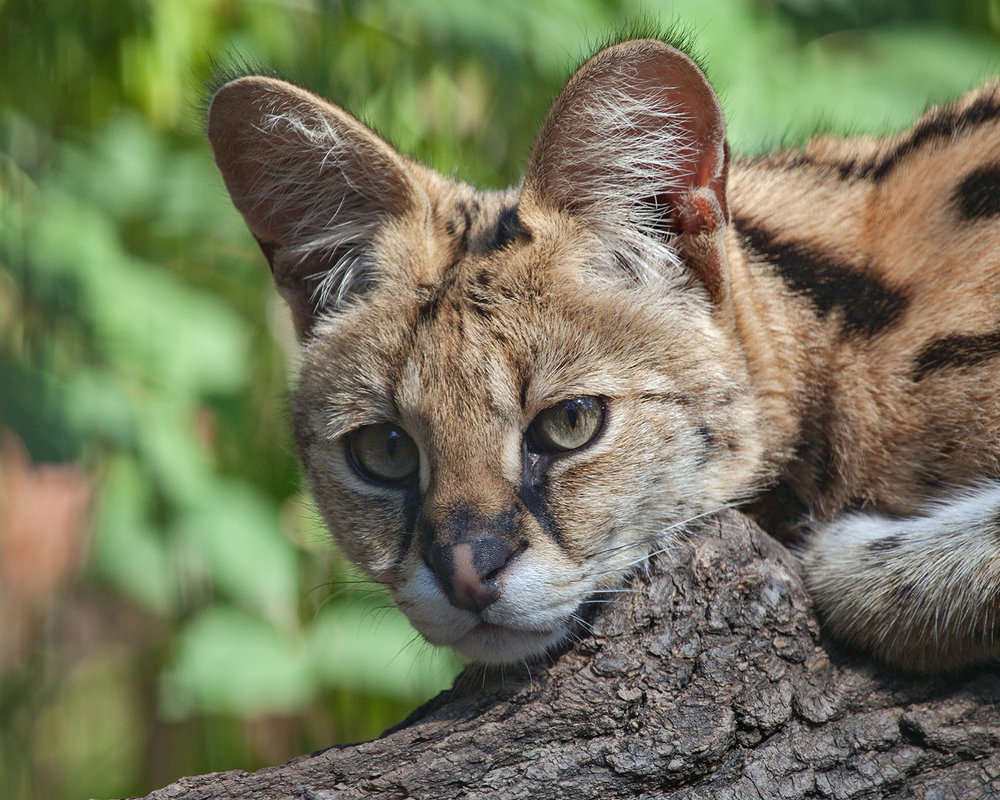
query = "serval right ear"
{"x": 635, "y": 147}
{"x": 313, "y": 184}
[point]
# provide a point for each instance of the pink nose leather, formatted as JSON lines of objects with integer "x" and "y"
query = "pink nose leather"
{"x": 469, "y": 590}
{"x": 467, "y": 571}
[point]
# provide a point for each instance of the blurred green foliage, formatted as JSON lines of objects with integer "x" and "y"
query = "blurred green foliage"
{"x": 212, "y": 626}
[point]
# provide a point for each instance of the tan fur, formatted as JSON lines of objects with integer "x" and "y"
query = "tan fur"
{"x": 785, "y": 332}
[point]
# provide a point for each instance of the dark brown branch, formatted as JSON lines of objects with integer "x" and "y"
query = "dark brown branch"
{"x": 709, "y": 683}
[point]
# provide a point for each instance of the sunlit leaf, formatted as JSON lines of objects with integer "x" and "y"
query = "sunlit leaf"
{"x": 229, "y": 662}
{"x": 374, "y": 649}
{"x": 129, "y": 550}
{"x": 235, "y": 532}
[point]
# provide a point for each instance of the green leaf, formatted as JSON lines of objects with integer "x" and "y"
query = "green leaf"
{"x": 129, "y": 550}
{"x": 373, "y": 649}
{"x": 144, "y": 320}
{"x": 236, "y": 535}
{"x": 228, "y": 662}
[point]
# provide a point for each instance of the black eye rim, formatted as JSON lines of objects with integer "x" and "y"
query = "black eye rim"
{"x": 350, "y": 440}
{"x": 536, "y": 446}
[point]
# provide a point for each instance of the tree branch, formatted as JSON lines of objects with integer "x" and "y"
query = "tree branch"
{"x": 710, "y": 682}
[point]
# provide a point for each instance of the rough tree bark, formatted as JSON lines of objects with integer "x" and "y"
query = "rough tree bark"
{"x": 710, "y": 683}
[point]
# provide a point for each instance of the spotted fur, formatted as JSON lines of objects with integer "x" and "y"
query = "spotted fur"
{"x": 813, "y": 334}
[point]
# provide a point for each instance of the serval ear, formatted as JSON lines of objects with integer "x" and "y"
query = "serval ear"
{"x": 635, "y": 146}
{"x": 313, "y": 184}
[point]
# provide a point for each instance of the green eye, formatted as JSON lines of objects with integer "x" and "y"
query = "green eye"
{"x": 567, "y": 426}
{"x": 383, "y": 453}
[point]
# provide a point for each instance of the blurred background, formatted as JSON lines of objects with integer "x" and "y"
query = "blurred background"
{"x": 168, "y": 603}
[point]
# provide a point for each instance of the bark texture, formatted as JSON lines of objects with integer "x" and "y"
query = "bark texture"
{"x": 710, "y": 683}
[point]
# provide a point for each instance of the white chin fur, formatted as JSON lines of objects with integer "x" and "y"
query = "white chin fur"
{"x": 489, "y": 644}
{"x": 521, "y": 625}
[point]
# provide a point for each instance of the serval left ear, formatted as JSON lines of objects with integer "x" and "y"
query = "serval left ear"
{"x": 314, "y": 185}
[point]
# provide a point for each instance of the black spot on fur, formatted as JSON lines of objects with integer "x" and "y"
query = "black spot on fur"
{"x": 437, "y": 298}
{"x": 465, "y": 523}
{"x": 509, "y": 229}
{"x": 708, "y": 438}
{"x": 867, "y": 304}
{"x": 467, "y": 213}
{"x": 959, "y": 350}
{"x": 429, "y": 308}
{"x": 413, "y": 524}
{"x": 485, "y": 224}
{"x": 846, "y": 169}
{"x": 784, "y": 509}
{"x": 483, "y": 279}
{"x": 533, "y": 491}
{"x": 977, "y": 196}
{"x": 842, "y": 169}
{"x": 945, "y": 123}
{"x": 535, "y": 500}
{"x": 885, "y": 544}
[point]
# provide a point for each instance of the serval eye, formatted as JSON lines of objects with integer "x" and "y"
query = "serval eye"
{"x": 568, "y": 425}
{"x": 383, "y": 453}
